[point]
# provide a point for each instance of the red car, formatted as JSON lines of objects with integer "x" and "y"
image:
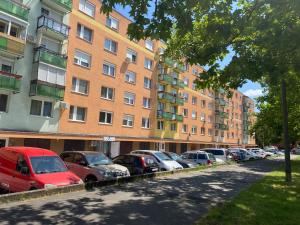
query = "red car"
{"x": 26, "y": 168}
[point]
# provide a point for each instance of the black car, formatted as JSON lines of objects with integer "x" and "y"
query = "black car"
{"x": 184, "y": 163}
{"x": 138, "y": 163}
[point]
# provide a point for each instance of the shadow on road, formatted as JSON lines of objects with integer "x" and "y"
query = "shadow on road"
{"x": 171, "y": 200}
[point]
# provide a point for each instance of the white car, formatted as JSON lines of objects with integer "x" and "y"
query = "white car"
{"x": 165, "y": 163}
{"x": 261, "y": 153}
{"x": 248, "y": 155}
{"x": 219, "y": 153}
{"x": 199, "y": 157}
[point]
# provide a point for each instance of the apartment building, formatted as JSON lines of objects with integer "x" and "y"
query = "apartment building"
{"x": 82, "y": 84}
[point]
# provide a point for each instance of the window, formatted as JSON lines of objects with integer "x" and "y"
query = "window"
{"x": 185, "y": 112}
{"x": 194, "y": 115}
{"x": 210, "y": 119}
{"x": 195, "y": 71}
{"x": 186, "y": 81}
{"x": 194, "y": 86}
{"x": 3, "y": 103}
{"x": 184, "y": 128}
{"x": 161, "y": 106}
{"x": 87, "y": 7}
{"x": 131, "y": 55}
{"x": 210, "y": 105}
{"x": 186, "y": 97}
{"x": 147, "y": 83}
{"x": 145, "y": 123}
{"x": 148, "y": 63}
{"x": 111, "y": 45}
{"x": 51, "y": 74}
{"x": 210, "y": 133}
{"x": 128, "y": 121}
{"x": 112, "y": 23}
{"x": 160, "y": 125}
{"x": 109, "y": 69}
{"x": 107, "y": 93}
{"x": 80, "y": 86}
{"x": 202, "y": 132}
{"x": 173, "y": 127}
{"x": 202, "y": 117}
{"x": 129, "y": 98}
{"x": 147, "y": 103}
{"x": 41, "y": 108}
{"x": 82, "y": 59}
{"x": 149, "y": 45}
{"x": 105, "y": 117}
{"x": 77, "y": 113}
{"x": 203, "y": 103}
{"x": 194, "y": 100}
{"x": 130, "y": 77}
{"x": 84, "y": 33}
{"x": 194, "y": 129}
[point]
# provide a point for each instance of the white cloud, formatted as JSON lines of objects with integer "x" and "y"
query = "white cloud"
{"x": 254, "y": 93}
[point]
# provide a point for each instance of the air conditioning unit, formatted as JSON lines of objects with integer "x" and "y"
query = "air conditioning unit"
{"x": 128, "y": 60}
{"x": 64, "y": 105}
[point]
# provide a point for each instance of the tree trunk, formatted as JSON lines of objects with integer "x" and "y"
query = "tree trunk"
{"x": 288, "y": 169}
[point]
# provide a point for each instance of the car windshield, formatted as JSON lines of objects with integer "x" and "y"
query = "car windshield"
{"x": 98, "y": 158}
{"x": 175, "y": 156}
{"x": 47, "y": 164}
{"x": 161, "y": 156}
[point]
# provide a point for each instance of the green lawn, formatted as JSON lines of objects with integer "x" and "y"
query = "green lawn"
{"x": 267, "y": 202}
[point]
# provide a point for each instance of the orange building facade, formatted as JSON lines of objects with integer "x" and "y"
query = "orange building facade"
{"x": 122, "y": 95}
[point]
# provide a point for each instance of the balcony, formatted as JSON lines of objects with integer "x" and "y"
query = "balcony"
{"x": 47, "y": 56}
{"x": 173, "y": 64}
{"x": 164, "y": 96}
{"x": 53, "y": 28}
{"x": 9, "y": 81}
{"x": 178, "y": 83}
{"x": 15, "y": 9}
{"x": 12, "y": 45}
{"x": 40, "y": 88}
{"x": 221, "y": 101}
{"x": 165, "y": 78}
{"x": 64, "y": 6}
{"x": 222, "y": 114}
{"x": 179, "y": 101}
{"x": 169, "y": 116}
{"x": 221, "y": 126}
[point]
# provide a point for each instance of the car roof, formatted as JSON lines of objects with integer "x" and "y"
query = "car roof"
{"x": 137, "y": 154}
{"x": 150, "y": 151}
{"x": 30, "y": 151}
{"x": 81, "y": 152}
{"x": 196, "y": 151}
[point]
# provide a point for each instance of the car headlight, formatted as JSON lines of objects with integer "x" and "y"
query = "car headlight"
{"x": 50, "y": 186}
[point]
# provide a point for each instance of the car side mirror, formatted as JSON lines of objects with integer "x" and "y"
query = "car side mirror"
{"x": 83, "y": 163}
{"x": 25, "y": 171}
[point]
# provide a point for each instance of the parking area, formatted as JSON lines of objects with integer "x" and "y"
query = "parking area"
{"x": 178, "y": 199}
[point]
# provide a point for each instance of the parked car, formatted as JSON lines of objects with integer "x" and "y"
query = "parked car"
{"x": 137, "y": 163}
{"x": 199, "y": 157}
{"x": 261, "y": 153}
{"x": 237, "y": 154}
{"x": 184, "y": 163}
{"x": 26, "y": 168}
{"x": 93, "y": 166}
{"x": 220, "y": 154}
{"x": 165, "y": 162}
{"x": 296, "y": 151}
{"x": 274, "y": 150}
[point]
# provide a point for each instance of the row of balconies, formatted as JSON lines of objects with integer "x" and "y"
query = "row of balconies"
{"x": 221, "y": 101}
{"x": 221, "y": 114}
{"x": 221, "y": 126}
{"x": 177, "y": 66}
{"x": 169, "y": 116}
{"x": 15, "y": 9}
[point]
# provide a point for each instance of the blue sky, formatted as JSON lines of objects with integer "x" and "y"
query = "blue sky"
{"x": 250, "y": 89}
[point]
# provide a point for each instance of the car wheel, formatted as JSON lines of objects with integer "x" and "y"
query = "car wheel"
{"x": 90, "y": 180}
{"x": 32, "y": 189}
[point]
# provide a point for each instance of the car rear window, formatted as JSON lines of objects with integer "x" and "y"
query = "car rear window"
{"x": 202, "y": 156}
{"x": 162, "y": 156}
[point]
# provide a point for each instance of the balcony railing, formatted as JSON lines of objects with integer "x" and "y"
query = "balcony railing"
{"x": 47, "y": 90}
{"x": 178, "y": 83}
{"x": 169, "y": 116}
{"x": 222, "y": 114}
{"x": 57, "y": 27}
{"x": 14, "y": 8}
{"x": 67, "y": 4}
{"x": 50, "y": 57}
{"x": 174, "y": 64}
{"x": 9, "y": 81}
{"x": 221, "y": 126}
{"x": 165, "y": 78}
{"x": 12, "y": 44}
{"x": 166, "y": 96}
{"x": 179, "y": 101}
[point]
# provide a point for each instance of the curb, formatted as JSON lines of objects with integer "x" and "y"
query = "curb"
{"x": 22, "y": 196}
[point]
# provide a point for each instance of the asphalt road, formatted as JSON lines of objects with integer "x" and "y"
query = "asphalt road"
{"x": 176, "y": 200}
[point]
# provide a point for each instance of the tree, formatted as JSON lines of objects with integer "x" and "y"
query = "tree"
{"x": 263, "y": 36}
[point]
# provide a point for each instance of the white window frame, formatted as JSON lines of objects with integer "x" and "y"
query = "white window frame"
{"x": 42, "y": 108}
{"x": 186, "y": 128}
{"x": 130, "y": 53}
{"x": 77, "y": 86}
{"x": 81, "y": 34}
{"x": 202, "y": 129}
{"x": 131, "y": 75}
{"x": 107, "y": 91}
{"x": 106, "y": 112}
{"x": 83, "y": 7}
{"x": 148, "y": 64}
{"x": 149, "y": 44}
{"x": 125, "y": 117}
{"x": 7, "y": 103}
{"x": 160, "y": 125}
{"x": 185, "y": 110}
{"x": 172, "y": 127}
{"x": 202, "y": 117}
{"x": 109, "y": 23}
{"x": 148, "y": 84}
{"x": 146, "y": 121}
{"x": 194, "y": 115}
{"x": 110, "y": 48}
{"x": 79, "y": 60}
{"x": 129, "y": 99}
{"x": 148, "y": 101}
{"x": 74, "y": 115}
{"x": 194, "y": 130}
{"x": 110, "y": 65}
